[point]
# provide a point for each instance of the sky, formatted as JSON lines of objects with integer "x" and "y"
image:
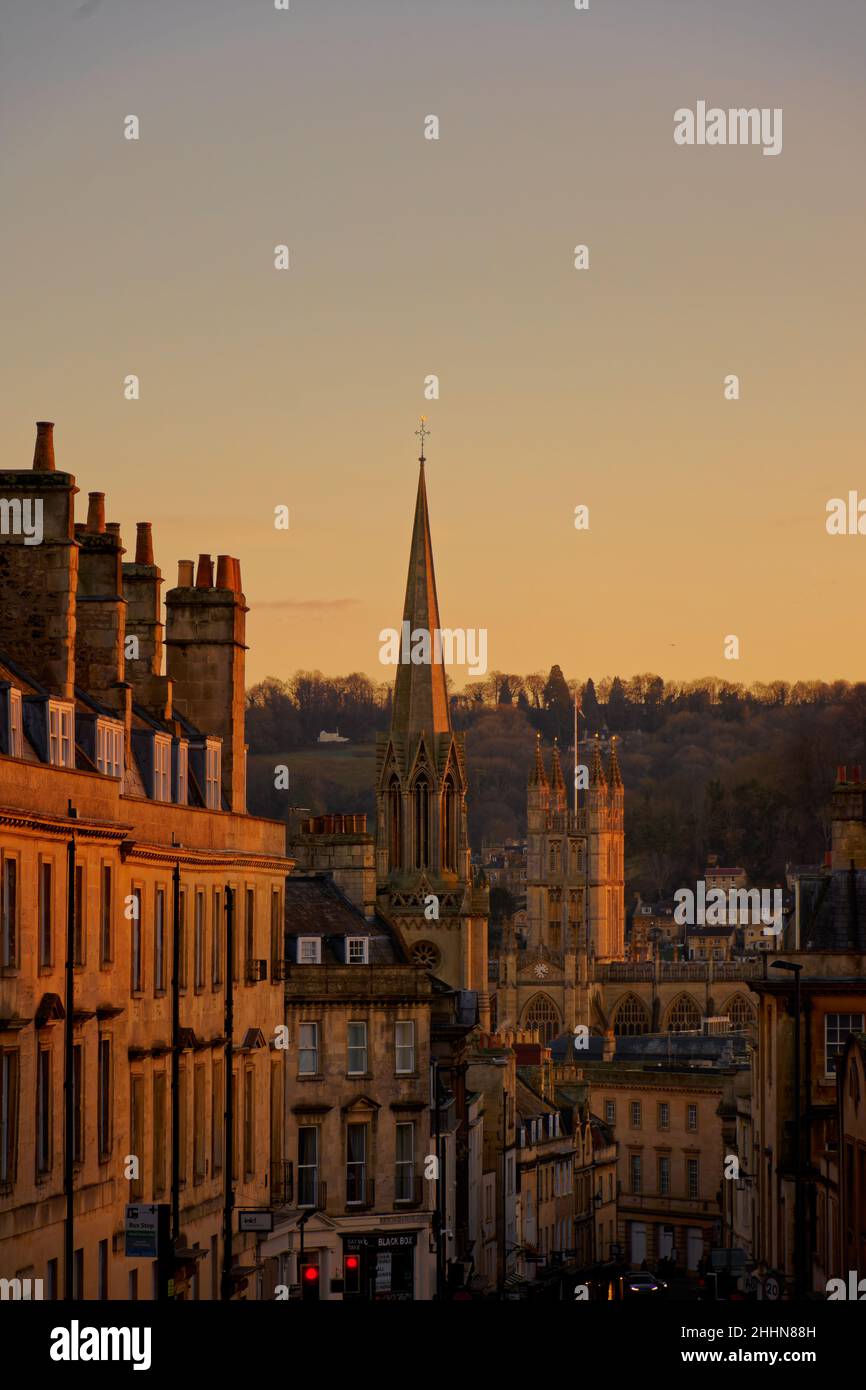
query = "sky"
{"x": 411, "y": 257}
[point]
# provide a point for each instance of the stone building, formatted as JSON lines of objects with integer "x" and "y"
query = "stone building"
{"x": 121, "y": 796}
{"x": 361, "y": 1214}
{"x": 661, "y": 1099}
{"x": 851, "y": 1076}
{"x": 802, "y": 1241}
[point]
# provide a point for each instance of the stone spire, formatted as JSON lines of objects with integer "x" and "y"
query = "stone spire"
{"x": 596, "y": 770}
{"x": 420, "y": 694}
{"x": 557, "y": 781}
{"x": 538, "y": 777}
{"x": 614, "y": 776}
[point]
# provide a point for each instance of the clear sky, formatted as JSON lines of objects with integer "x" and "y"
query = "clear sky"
{"x": 411, "y": 257}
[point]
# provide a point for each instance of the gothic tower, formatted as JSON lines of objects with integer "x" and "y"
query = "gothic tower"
{"x": 574, "y": 899}
{"x": 424, "y": 879}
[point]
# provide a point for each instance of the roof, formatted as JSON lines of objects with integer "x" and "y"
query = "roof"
{"x": 315, "y": 906}
{"x": 833, "y": 911}
{"x": 719, "y": 1048}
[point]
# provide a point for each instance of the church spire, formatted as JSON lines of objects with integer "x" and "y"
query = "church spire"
{"x": 420, "y": 693}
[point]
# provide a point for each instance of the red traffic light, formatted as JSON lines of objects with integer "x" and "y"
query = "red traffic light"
{"x": 311, "y": 1274}
{"x": 352, "y": 1262}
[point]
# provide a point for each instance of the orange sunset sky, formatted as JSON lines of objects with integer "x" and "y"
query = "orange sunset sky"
{"x": 455, "y": 257}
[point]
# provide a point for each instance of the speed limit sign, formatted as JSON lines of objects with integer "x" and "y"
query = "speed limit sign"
{"x": 771, "y": 1287}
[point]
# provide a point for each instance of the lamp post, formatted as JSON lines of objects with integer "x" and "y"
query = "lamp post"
{"x": 799, "y": 1210}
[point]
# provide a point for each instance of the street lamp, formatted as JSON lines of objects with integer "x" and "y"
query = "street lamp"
{"x": 799, "y": 1210}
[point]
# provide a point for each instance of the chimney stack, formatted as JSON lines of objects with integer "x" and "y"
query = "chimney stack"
{"x": 204, "y": 573}
{"x": 95, "y": 512}
{"x": 101, "y": 610}
{"x": 142, "y": 585}
{"x": 43, "y": 454}
{"x": 205, "y": 660}
{"x": 143, "y": 543}
{"x": 39, "y": 568}
{"x": 849, "y": 819}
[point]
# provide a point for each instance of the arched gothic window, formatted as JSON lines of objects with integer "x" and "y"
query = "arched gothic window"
{"x": 541, "y": 1013}
{"x": 740, "y": 1012}
{"x": 421, "y": 821}
{"x": 395, "y": 824}
{"x": 631, "y": 1018}
{"x": 448, "y": 826}
{"x": 684, "y": 1016}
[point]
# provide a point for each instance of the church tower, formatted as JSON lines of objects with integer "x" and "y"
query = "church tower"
{"x": 574, "y": 899}
{"x": 424, "y": 879}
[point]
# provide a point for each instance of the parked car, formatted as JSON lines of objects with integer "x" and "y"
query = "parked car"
{"x": 640, "y": 1282}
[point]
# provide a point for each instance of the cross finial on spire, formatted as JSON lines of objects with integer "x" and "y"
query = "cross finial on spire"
{"x": 423, "y": 434}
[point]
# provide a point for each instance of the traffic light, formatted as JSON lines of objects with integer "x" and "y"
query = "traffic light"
{"x": 353, "y": 1274}
{"x": 310, "y": 1277}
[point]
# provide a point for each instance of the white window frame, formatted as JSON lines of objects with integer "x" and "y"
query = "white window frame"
{"x": 308, "y": 1047}
{"x": 311, "y": 944}
{"x": 61, "y": 734}
{"x": 109, "y": 748}
{"x": 404, "y": 1168}
{"x": 353, "y": 943}
{"x": 182, "y": 772}
{"x": 162, "y": 767}
{"x": 838, "y": 1041}
{"x": 212, "y": 761}
{"x": 402, "y": 1048}
{"x": 16, "y": 724}
{"x": 356, "y": 1047}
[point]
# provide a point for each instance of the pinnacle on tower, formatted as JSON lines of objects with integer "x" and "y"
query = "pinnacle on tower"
{"x": 420, "y": 693}
{"x": 557, "y": 780}
{"x": 596, "y": 770}
{"x": 614, "y": 776}
{"x": 538, "y": 777}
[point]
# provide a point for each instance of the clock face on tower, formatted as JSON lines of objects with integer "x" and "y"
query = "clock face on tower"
{"x": 540, "y": 970}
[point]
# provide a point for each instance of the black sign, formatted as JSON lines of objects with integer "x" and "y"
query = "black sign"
{"x": 376, "y": 1242}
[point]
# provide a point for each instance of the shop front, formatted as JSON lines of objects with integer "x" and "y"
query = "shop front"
{"x": 379, "y": 1267}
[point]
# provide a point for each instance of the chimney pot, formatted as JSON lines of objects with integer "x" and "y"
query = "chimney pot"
{"x": 113, "y": 528}
{"x": 184, "y": 573}
{"x": 96, "y": 513}
{"x": 204, "y": 573}
{"x": 225, "y": 572}
{"x": 43, "y": 454}
{"x": 841, "y": 773}
{"x": 237, "y": 569}
{"x": 143, "y": 543}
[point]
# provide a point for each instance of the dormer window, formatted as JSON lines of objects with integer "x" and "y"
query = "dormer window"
{"x": 161, "y": 767}
{"x": 61, "y": 745}
{"x": 109, "y": 748}
{"x": 212, "y": 775}
{"x": 309, "y": 950}
{"x": 357, "y": 950}
{"x": 182, "y": 772}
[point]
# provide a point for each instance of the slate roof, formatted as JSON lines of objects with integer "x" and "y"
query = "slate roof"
{"x": 833, "y": 911}
{"x": 315, "y": 906}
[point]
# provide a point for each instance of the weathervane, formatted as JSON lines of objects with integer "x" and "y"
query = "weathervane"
{"x": 423, "y": 434}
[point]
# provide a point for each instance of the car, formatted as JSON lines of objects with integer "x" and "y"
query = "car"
{"x": 642, "y": 1282}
